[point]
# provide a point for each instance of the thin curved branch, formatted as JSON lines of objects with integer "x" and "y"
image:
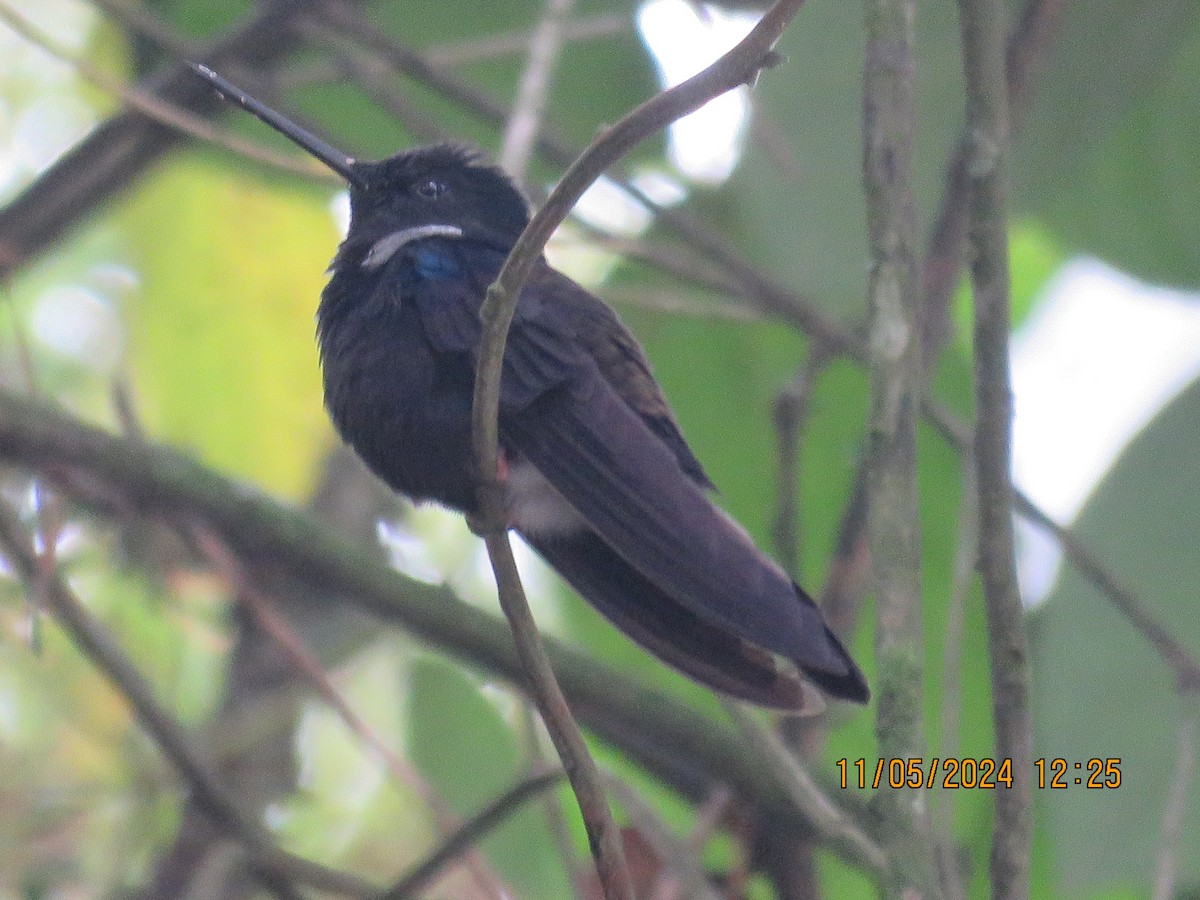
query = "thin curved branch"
{"x": 521, "y": 131}
{"x": 740, "y": 65}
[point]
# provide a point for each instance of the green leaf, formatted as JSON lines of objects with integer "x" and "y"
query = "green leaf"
{"x": 221, "y": 333}
{"x": 460, "y": 742}
{"x": 1100, "y": 690}
{"x": 1108, "y": 162}
{"x": 804, "y": 219}
{"x": 1110, "y": 157}
{"x": 202, "y": 18}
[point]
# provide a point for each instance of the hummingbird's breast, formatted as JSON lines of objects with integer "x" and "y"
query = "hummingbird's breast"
{"x": 404, "y": 409}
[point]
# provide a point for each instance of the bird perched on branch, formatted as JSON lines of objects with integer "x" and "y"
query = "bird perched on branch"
{"x": 596, "y": 474}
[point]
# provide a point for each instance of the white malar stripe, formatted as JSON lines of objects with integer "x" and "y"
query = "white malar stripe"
{"x": 384, "y": 248}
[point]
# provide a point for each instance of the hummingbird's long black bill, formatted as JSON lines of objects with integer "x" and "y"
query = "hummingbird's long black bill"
{"x": 340, "y": 162}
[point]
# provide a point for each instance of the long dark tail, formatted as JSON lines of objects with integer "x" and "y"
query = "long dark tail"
{"x": 707, "y": 653}
{"x": 686, "y": 555}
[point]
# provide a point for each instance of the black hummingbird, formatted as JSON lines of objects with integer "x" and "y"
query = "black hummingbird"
{"x": 598, "y": 477}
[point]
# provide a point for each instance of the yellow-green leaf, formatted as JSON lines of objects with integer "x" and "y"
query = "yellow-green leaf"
{"x": 221, "y": 333}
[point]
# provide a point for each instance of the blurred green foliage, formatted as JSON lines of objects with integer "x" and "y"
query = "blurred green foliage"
{"x": 227, "y": 264}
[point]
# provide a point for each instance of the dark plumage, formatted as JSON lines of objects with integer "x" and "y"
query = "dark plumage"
{"x": 599, "y": 478}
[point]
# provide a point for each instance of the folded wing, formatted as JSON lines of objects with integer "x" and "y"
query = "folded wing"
{"x": 579, "y": 403}
{"x": 631, "y": 491}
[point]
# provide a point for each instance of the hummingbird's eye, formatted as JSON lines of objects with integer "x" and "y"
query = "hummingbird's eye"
{"x": 430, "y": 189}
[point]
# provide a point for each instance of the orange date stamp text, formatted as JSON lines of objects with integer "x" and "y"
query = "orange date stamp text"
{"x": 949, "y": 773}
{"x": 972, "y": 773}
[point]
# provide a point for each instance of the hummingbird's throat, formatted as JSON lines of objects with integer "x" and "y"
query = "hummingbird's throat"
{"x": 385, "y": 248}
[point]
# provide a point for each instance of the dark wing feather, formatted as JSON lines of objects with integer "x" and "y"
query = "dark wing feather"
{"x": 540, "y": 354}
{"x": 629, "y": 488}
{"x": 711, "y": 655}
{"x": 558, "y": 328}
{"x": 579, "y": 402}
{"x": 621, "y": 361}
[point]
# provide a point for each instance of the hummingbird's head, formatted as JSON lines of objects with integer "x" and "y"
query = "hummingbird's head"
{"x": 444, "y": 189}
{"x": 447, "y": 190}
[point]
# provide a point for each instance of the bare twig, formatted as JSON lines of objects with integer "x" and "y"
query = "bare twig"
{"x": 983, "y": 31}
{"x": 1182, "y": 662}
{"x": 1166, "y": 867}
{"x": 161, "y": 110}
{"x": 275, "y": 868}
{"x": 511, "y": 43}
{"x": 682, "y": 870}
{"x": 520, "y": 134}
{"x": 469, "y": 834}
{"x": 265, "y": 612}
{"x": 603, "y": 836}
{"x": 790, "y": 417}
{"x": 1027, "y": 47}
{"x": 894, "y": 355}
{"x": 810, "y": 802}
{"x": 739, "y": 66}
{"x": 966, "y": 552}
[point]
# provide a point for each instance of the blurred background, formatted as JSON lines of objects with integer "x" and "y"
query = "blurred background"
{"x": 163, "y": 284}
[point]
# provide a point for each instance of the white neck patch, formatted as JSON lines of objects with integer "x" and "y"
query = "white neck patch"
{"x": 385, "y": 248}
